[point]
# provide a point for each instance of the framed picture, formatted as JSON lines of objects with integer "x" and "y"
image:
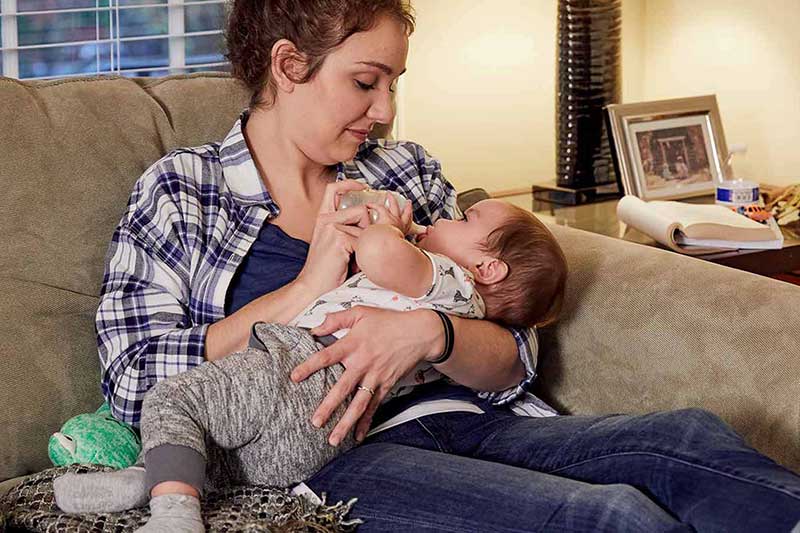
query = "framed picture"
{"x": 668, "y": 149}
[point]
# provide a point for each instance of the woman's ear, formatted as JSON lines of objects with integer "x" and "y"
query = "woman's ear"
{"x": 490, "y": 270}
{"x": 286, "y": 65}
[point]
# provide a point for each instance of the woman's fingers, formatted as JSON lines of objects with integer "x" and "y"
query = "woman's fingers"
{"x": 407, "y": 215}
{"x": 366, "y": 418}
{"x": 322, "y": 359}
{"x": 392, "y": 205}
{"x": 384, "y": 217}
{"x": 336, "y": 321}
{"x": 335, "y": 397}
{"x": 331, "y": 246}
{"x": 330, "y": 200}
{"x": 352, "y": 231}
{"x": 361, "y": 403}
{"x": 357, "y": 215}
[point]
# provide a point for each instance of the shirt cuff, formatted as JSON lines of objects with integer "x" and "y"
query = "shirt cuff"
{"x": 528, "y": 346}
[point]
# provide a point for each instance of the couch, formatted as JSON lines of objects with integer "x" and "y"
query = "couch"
{"x": 643, "y": 329}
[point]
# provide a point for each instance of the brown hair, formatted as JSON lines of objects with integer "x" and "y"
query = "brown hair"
{"x": 314, "y": 26}
{"x": 533, "y": 291}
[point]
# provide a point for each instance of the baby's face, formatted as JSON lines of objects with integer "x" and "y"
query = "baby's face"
{"x": 460, "y": 240}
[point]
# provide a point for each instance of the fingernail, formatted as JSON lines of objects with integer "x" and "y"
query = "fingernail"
{"x": 316, "y": 422}
{"x": 360, "y": 437}
{"x": 334, "y": 441}
{"x": 294, "y": 376}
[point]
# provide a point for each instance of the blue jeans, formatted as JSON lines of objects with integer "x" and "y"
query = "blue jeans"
{"x": 497, "y": 472}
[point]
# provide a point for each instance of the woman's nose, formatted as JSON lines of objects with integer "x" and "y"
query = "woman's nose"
{"x": 382, "y": 108}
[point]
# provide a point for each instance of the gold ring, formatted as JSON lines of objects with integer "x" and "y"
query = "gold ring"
{"x": 370, "y": 391}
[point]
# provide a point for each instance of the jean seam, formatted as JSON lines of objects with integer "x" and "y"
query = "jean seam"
{"x": 433, "y": 437}
{"x": 438, "y": 525}
{"x": 737, "y": 477}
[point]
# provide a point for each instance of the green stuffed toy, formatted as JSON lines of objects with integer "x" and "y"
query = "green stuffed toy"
{"x": 95, "y": 438}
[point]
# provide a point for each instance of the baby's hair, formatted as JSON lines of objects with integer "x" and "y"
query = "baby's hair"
{"x": 314, "y": 26}
{"x": 533, "y": 291}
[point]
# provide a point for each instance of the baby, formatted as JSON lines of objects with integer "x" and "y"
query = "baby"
{"x": 244, "y": 420}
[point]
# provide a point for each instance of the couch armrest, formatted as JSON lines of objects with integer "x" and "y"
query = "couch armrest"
{"x": 646, "y": 329}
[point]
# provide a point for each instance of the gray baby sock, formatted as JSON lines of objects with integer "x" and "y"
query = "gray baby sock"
{"x": 174, "y": 513}
{"x": 101, "y": 492}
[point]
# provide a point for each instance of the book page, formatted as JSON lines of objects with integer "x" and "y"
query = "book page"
{"x": 776, "y": 243}
{"x": 712, "y": 222}
{"x": 637, "y": 213}
{"x": 688, "y": 214}
{"x": 657, "y": 224}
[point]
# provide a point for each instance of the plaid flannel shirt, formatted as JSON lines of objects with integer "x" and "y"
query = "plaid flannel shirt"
{"x": 189, "y": 223}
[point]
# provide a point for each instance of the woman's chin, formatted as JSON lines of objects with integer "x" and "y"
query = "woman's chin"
{"x": 346, "y": 152}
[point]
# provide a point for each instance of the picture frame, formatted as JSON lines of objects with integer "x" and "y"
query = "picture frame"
{"x": 668, "y": 149}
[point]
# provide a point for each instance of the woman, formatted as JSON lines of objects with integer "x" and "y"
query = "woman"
{"x": 218, "y": 237}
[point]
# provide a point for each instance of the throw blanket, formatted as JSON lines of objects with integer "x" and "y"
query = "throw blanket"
{"x": 30, "y": 506}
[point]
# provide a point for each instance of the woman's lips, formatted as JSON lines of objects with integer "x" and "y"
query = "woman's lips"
{"x": 361, "y": 135}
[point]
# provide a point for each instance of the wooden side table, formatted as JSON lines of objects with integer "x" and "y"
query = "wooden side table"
{"x": 601, "y": 217}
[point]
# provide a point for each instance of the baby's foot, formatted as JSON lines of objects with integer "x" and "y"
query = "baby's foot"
{"x": 101, "y": 492}
{"x": 174, "y": 513}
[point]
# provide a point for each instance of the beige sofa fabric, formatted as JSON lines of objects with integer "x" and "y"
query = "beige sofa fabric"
{"x": 69, "y": 154}
{"x": 648, "y": 329}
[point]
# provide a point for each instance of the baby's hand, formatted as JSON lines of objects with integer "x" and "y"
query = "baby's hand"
{"x": 381, "y": 214}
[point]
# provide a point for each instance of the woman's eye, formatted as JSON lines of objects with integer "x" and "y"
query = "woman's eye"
{"x": 365, "y": 86}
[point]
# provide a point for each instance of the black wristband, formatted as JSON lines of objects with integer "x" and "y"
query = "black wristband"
{"x": 449, "y": 339}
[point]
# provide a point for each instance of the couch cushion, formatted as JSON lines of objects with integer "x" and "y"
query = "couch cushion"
{"x": 646, "y": 329}
{"x": 71, "y": 150}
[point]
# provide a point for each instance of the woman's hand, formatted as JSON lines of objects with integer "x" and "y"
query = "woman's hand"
{"x": 333, "y": 240}
{"x": 376, "y": 353}
{"x": 392, "y": 214}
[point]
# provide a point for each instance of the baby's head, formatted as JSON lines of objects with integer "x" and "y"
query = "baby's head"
{"x": 519, "y": 268}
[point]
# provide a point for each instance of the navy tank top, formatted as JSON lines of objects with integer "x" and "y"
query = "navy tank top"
{"x": 273, "y": 260}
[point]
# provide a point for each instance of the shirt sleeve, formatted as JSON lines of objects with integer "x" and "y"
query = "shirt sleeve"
{"x": 440, "y": 195}
{"x": 144, "y": 330}
{"x": 452, "y": 289}
{"x": 441, "y": 199}
{"x": 527, "y": 340}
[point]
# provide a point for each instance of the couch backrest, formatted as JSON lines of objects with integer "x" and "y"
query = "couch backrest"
{"x": 70, "y": 152}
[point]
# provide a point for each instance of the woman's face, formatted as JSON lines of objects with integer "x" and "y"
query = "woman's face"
{"x": 352, "y": 91}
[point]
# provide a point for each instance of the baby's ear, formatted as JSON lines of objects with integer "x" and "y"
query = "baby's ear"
{"x": 490, "y": 270}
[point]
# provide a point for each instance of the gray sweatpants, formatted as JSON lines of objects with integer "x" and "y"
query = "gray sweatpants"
{"x": 241, "y": 420}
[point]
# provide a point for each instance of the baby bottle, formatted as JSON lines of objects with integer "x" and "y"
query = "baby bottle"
{"x": 373, "y": 196}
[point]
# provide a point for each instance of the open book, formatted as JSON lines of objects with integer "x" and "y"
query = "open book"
{"x": 697, "y": 229}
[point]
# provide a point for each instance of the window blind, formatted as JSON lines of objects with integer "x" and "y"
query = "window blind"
{"x": 43, "y": 39}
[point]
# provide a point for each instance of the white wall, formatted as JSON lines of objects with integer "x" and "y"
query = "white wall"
{"x": 747, "y": 52}
{"x": 480, "y": 88}
{"x": 479, "y": 92}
